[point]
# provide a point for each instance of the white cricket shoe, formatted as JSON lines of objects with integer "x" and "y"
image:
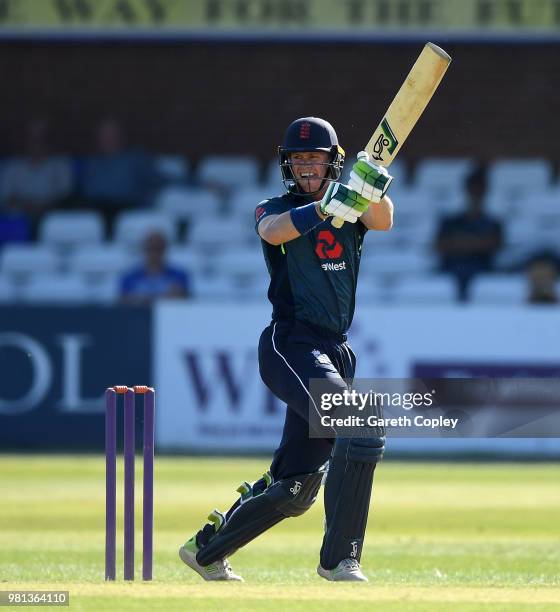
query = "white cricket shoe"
{"x": 348, "y": 570}
{"x": 219, "y": 570}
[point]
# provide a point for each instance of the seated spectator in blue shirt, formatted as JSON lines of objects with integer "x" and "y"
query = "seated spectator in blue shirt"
{"x": 155, "y": 278}
{"x": 117, "y": 178}
{"x": 35, "y": 182}
{"x": 468, "y": 242}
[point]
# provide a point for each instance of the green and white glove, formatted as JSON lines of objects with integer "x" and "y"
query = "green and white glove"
{"x": 343, "y": 203}
{"x": 368, "y": 179}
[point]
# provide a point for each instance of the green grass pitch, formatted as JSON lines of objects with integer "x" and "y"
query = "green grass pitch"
{"x": 441, "y": 536}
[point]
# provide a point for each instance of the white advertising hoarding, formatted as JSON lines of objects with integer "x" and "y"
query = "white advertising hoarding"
{"x": 211, "y": 397}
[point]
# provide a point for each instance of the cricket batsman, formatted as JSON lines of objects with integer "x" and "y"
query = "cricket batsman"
{"x": 313, "y": 269}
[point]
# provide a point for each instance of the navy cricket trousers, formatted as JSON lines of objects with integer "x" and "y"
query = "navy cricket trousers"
{"x": 290, "y": 354}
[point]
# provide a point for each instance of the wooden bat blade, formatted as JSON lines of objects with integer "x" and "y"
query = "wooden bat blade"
{"x": 409, "y": 103}
{"x": 406, "y": 107}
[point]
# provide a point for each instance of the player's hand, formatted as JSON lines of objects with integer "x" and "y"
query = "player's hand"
{"x": 368, "y": 179}
{"x": 344, "y": 203}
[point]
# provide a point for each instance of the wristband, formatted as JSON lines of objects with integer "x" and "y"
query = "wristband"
{"x": 305, "y": 218}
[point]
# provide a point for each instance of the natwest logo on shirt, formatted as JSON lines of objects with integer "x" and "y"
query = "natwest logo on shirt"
{"x": 327, "y": 246}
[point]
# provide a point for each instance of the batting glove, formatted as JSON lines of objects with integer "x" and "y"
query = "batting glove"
{"x": 343, "y": 202}
{"x": 368, "y": 179}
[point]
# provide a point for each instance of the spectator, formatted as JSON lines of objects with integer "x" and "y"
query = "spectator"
{"x": 542, "y": 277}
{"x": 37, "y": 181}
{"x": 468, "y": 242}
{"x": 117, "y": 178}
{"x": 155, "y": 278}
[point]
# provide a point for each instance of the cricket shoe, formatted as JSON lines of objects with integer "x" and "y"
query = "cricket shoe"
{"x": 219, "y": 570}
{"x": 348, "y": 570}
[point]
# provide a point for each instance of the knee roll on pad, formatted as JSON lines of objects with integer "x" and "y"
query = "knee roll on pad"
{"x": 287, "y": 497}
{"x": 361, "y": 450}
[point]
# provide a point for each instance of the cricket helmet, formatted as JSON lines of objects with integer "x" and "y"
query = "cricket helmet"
{"x": 310, "y": 134}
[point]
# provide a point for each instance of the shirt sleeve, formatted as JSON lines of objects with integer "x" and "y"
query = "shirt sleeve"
{"x": 266, "y": 208}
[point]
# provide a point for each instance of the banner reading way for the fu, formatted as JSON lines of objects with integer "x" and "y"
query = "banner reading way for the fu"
{"x": 283, "y": 16}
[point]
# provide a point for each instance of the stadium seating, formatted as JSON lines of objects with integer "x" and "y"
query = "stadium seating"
{"x": 389, "y": 266}
{"x": 371, "y": 290}
{"x": 133, "y": 226}
{"x": 222, "y": 251}
{"x": 71, "y": 229}
{"x": 272, "y": 177}
{"x": 18, "y": 261}
{"x": 524, "y": 230}
{"x": 499, "y": 289}
{"x": 242, "y": 264}
{"x": 220, "y": 234}
{"x": 228, "y": 171}
{"x": 216, "y": 287}
{"x": 244, "y": 202}
{"x": 172, "y": 168}
{"x": 421, "y": 202}
{"x": 101, "y": 260}
{"x": 541, "y": 203}
{"x": 381, "y": 242}
{"x": 56, "y": 288}
{"x": 424, "y": 290}
{"x": 186, "y": 258}
{"x": 250, "y": 288}
{"x": 182, "y": 203}
{"x": 105, "y": 290}
{"x": 502, "y": 206}
{"x": 544, "y": 205}
{"x": 513, "y": 177}
{"x": 417, "y": 234}
{"x": 443, "y": 178}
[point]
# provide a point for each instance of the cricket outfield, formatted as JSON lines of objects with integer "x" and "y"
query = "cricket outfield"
{"x": 441, "y": 536}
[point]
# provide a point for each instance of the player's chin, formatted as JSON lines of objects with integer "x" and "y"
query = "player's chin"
{"x": 310, "y": 185}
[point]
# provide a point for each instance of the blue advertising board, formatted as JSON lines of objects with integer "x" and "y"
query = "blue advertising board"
{"x": 55, "y": 364}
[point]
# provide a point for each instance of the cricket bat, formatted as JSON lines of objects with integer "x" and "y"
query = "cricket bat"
{"x": 406, "y": 107}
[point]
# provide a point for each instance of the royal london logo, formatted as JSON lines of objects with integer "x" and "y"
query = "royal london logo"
{"x": 387, "y": 141}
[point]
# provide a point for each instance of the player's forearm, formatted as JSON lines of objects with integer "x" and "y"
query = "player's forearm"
{"x": 379, "y": 216}
{"x": 280, "y": 228}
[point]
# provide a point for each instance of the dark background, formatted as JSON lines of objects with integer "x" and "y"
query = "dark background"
{"x": 202, "y": 98}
